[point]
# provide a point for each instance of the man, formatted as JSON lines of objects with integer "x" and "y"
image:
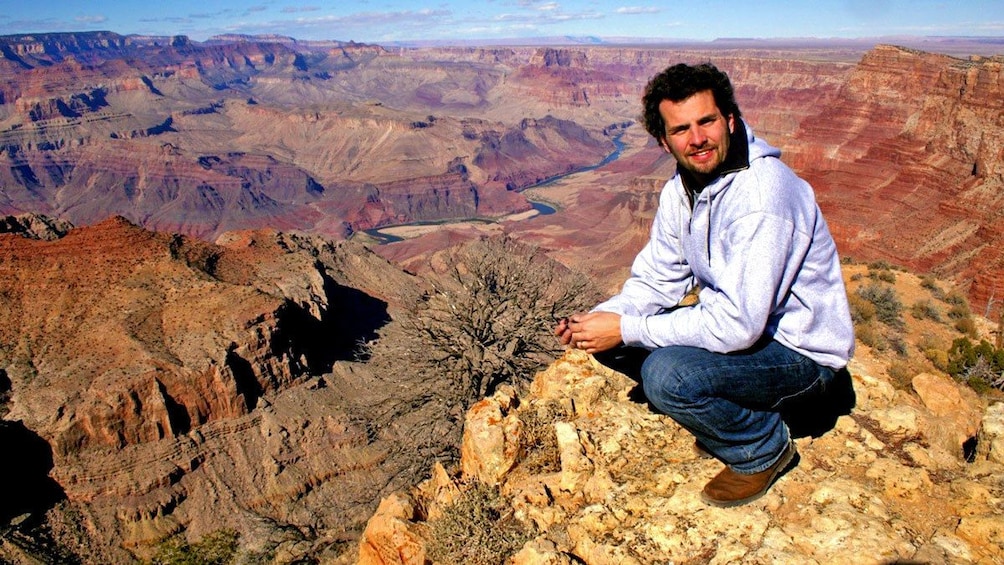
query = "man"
{"x": 772, "y": 323}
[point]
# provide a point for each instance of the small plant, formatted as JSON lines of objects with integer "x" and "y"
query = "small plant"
{"x": 981, "y": 366}
{"x": 888, "y": 308}
{"x": 217, "y": 548}
{"x": 880, "y": 265}
{"x": 966, "y": 326}
{"x": 901, "y": 373}
{"x": 884, "y": 276}
{"x": 938, "y": 358}
{"x": 479, "y": 529}
{"x": 862, "y": 311}
{"x": 539, "y": 441}
{"x": 929, "y": 282}
{"x": 956, "y": 298}
{"x": 869, "y": 335}
{"x": 925, "y": 310}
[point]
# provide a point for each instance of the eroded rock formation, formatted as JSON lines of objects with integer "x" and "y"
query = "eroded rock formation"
{"x": 887, "y": 483}
{"x": 165, "y": 384}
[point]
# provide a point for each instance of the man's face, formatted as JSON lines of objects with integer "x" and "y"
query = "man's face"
{"x": 697, "y": 134}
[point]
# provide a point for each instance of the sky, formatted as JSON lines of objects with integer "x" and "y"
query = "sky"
{"x": 385, "y": 21}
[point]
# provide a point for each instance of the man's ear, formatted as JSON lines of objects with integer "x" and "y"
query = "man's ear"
{"x": 664, "y": 144}
{"x": 732, "y": 123}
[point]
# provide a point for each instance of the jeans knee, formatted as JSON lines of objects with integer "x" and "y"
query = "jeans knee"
{"x": 664, "y": 385}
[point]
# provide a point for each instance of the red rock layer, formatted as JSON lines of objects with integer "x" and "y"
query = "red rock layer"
{"x": 908, "y": 164}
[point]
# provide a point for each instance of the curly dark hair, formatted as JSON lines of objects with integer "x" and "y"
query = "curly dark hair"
{"x": 681, "y": 81}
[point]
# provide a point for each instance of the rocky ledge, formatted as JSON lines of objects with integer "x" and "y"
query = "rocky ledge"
{"x": 912, "y": 476}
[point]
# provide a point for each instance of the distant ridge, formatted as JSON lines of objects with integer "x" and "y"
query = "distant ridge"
{"x": 948, "y": 45}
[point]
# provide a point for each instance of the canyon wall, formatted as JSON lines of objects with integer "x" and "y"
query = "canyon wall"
{"x": 908, "y": 165}
{"x": 155, "y": 384}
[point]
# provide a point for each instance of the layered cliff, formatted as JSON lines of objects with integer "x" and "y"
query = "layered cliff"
{"x": 160, "y": 384}
{"x": 907, "y": 164}
{"x": 328, "y": 137}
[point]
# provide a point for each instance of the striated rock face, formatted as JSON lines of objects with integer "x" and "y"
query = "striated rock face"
{"x": 238, "y": 133}
{"x": 155, "y": 384}
{"x": 907, "y": 164}
{"x": 881, "y": 486}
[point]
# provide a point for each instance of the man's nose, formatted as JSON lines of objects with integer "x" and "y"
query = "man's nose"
{"x": 697, "y": 137}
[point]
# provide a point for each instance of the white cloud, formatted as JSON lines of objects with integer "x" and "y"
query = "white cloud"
{"x": 96, "y": 19}
{"x": 638, "y": 10}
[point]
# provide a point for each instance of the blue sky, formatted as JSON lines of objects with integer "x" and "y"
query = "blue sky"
{"x": 375, "y": 21}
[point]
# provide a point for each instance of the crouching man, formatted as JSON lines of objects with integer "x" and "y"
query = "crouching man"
{"x": 772, "y": 323}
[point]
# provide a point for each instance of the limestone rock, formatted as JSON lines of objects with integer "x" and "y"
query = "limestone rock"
{"x": 491, "y": 438}
{"x": 869, "y": 490}
{"x": 956, "y": 410}
{"x": 992, "y": 434}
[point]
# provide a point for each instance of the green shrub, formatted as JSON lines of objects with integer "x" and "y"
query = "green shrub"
{"x": 479, "y": 529}
{"x": 979, "y": 365}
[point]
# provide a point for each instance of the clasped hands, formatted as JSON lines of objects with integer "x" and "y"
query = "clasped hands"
{"x": 591, "y": 332}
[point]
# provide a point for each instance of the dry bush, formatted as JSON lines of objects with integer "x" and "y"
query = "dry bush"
{"x": 888, "y": 308}
{"x": 967, "y": 326}
{"x": 868, "y": 334}
{"x": 488, "y": 320}
{"x": 539, "y": 441}
{"x": 217, "y": 548}
{"x": 925, "y": 310}
{"x": 862, "y": 311}
{"x": 479, "y": 529}
{"x": 901, "y": 374}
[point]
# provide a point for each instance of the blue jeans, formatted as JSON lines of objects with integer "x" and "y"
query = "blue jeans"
{"x": 732, "y": 403}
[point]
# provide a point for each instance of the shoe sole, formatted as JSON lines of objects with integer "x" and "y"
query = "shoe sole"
{"x": 780, "y": 468}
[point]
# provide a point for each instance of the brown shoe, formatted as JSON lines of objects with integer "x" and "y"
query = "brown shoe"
{"x": 730, "y": 488}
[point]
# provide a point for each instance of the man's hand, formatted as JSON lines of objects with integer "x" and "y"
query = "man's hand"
{"x": 592, "y": 332}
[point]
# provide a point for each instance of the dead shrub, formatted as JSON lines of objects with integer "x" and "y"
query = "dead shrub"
{"x": 479, "y": 529}
{"x": 488, "y": 319}
{"x": 925, "y": 310}
{"x": 539, "y": 441}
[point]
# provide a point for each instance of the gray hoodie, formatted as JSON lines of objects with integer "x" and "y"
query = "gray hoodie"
{"x": 758, "y": 246}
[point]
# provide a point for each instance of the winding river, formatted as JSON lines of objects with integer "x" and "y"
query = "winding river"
{"x": 542, "y": 209}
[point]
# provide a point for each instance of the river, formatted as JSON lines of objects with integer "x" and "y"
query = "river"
{"x": 542, "y": 208}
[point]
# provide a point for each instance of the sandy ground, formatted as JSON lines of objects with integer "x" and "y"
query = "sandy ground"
{"x": 407, "y": 232}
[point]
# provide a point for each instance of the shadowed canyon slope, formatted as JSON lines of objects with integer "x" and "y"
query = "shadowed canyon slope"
{"x": 175, "y": 385}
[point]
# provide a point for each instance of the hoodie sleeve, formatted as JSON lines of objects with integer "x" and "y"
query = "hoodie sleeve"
{"x": 734, "y": 312}
{"x": 660, "y": 276}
